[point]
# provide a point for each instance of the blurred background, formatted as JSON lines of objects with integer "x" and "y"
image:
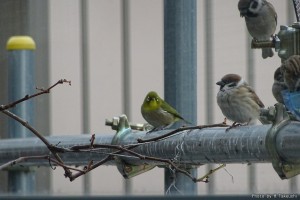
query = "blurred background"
{"x": 84, "y": 41}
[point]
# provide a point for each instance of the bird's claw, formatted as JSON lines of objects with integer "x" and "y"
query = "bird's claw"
{"x": 235, "y": 124}
{"x": 156, "y": 129}
{"x": 225, "y": 121}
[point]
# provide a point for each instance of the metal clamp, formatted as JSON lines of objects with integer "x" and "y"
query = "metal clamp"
{"x": 284, "y": 169}
{"x": 121, "y": 125}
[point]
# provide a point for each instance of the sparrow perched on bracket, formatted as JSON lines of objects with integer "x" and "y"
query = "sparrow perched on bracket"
{"x": 278, "y": 85}
{"x": 237, "y": 100}
{"x": 291, "y": 73}
{"x": 261, "y": 21}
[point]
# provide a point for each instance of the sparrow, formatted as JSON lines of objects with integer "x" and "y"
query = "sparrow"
{"x": 291, "y": 73}
{"x": 278, "y": 85}
{"x": 159, "y": 113}
{"x": 237, "y": 100}
{"x": 261, "y": 21}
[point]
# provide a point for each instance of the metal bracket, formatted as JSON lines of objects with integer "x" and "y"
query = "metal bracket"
{"x": 281, "y": 118}
{"x": 121, "y": 125}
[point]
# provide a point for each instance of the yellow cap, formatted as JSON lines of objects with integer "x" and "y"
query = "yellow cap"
{"x": 20, "y": 43}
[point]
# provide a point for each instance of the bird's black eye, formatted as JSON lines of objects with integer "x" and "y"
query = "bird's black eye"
{"x": 232, "y": 85}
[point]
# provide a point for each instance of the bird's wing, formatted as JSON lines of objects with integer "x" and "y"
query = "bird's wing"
{"x": 171, "y": 110}
{"x": 272, "y": 10}
{"x": 255, "y": 97}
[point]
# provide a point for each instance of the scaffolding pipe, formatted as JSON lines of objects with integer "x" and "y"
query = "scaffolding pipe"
{"x": 245, "y": 144}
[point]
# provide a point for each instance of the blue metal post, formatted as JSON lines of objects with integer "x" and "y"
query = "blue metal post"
{"x": 20, "y": 83}
{"x": 180, "y": 75}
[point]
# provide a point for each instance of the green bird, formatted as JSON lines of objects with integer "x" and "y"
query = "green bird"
{"x": 159, "y": 113}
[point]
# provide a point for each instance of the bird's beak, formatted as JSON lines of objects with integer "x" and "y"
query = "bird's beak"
{"x": 243, "y": 12}
{"x": 220, "y": 83}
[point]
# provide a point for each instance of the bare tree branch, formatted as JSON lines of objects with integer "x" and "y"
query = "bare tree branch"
{"x": 127, "y": 150}
{"x": 27, "y": 97}
{"x": 180, "y": 129}
{"x": 46, "y": 157}
{"x": 91, "y": 147}
{"x": 53, "y": 149}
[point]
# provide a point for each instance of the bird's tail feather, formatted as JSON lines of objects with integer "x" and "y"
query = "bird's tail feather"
{"x": 267, "y": 52}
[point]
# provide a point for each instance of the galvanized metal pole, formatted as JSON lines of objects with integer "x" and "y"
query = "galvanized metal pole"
{"x": 21, "y": 81}
{"x": 180, "y": 75}
{"x": 193, "y": 147}
{"x": 126, "y": 73}
{"x": 209, "y": 92}
{"x": 250, "y": 79}
{"x": 85, "y": 88}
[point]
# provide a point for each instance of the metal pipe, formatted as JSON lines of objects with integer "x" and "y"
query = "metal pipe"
{"x": 251, "y": 80}
{"x": 209, "y": 107}
{"x": 188, "y": 148}
{"x": 127, "y": 183}
{"x": 85, "y": 89}
{"x": 21, "y": 81}
{"x": 191, "y": 147}
{"x": 180, "y": 74}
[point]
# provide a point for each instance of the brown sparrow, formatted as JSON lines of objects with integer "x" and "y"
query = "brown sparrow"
{"x": 278, "y": 85}
{"x": 291, "y": 73}
{"x": 237, "y": 100}
{"x": 261, "y": 21}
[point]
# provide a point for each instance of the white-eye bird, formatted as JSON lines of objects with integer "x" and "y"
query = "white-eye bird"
{"x": 159, "y": 113}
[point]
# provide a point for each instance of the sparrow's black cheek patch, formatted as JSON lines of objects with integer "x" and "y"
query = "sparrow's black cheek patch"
{"x": 254, "y": 5}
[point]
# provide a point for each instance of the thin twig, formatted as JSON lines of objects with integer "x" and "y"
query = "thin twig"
{"x": 92, "y": 140}
{"x": 178, "y": 130}
{"x": 26, "y": 158}
{"x": 65, "y": 166}
{"x": 72, "y": 177}
{"x": 53, "y": 149}
{"x": 206, "y": 176}
{"x": 27, "y": 97}
{"x": 121, "y": 150}
{"x": 21, "y": 159}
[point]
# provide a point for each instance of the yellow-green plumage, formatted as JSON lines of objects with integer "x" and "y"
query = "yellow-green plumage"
{"x": 157, "y": 112}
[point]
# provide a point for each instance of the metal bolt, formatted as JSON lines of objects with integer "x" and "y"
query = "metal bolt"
{"x": 114, "y": 123}
{"x": 262, "y": 44}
